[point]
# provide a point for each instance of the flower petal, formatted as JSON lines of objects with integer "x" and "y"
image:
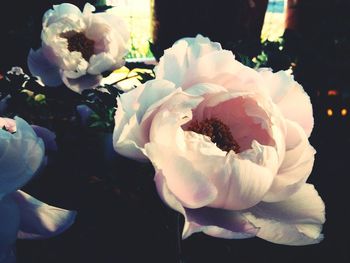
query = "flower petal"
{"x": 242, "y": 183}
{"x": 295, "y": 221}
{"x": 189, "y": 186}
{"x": 296, "y": 166}
{"x": 82, "y": 83}
{"x": 21, "y": 156}
{"x": 41, "y": 67}
{"x": 102, "y": 62}
{"x": 39, "y": 220}
{"x": 285, "y": 92}
{"x": 176, "y": 60}
{"x": 219, "y": 223}
{"x": 47, "y": 136}
{"x": 59, "y": 11}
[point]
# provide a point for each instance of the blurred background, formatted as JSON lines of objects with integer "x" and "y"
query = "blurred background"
{"x": 121, "y": 218}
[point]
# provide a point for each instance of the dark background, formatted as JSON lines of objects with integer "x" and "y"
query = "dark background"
{"x": 120, "y": 217}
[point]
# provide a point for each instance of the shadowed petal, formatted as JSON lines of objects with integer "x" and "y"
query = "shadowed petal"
{"x": 40, "y": 220}
{"x": 41, "y": 67}
{"x": 219, "y": 223}
{"x": 21, "y": 156}
{"x": 295, "y": 221}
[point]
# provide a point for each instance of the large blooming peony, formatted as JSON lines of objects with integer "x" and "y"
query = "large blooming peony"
{"x": 22, "y": 153}
{"x": 229, "y": 145}
{"x": 77, "y": 47}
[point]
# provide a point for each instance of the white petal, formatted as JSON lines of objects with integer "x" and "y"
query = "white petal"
{"x": 128, "y": 136}
{"x": 189, "y": 186}
{"x": 128, "y": 139}
{"x": 116, "y": 23}
{"x": 102, "y": 62}
{"x": 296, "y": 166}
{"x": 242, "y": 183}
{"x": 59, "y": 11}
{"x": 291, "y": 98}
{"x": 88, "y": 9}
{"x": 152, "y": 95}
{"x": 21, "y": 156}
{"x": 176, "y": 60}
{"x": 295, "y": 221}
{"x": 40, "y": 220}
{"x": 41, "y": 67}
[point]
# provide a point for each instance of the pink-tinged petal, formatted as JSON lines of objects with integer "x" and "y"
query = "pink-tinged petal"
{"x": 296, "y": 166}
{"x": 9, "y": 224}
{"x": 291, "y": 98}
{"x": 242, "y": 183}
{"x": 165, "y": 194}
{"x": 47, "y": 136}
{"x": 189, "y": 186}
{"x": 219, "y": 223}
{"x": 41, "y": 67}
{"x": 221, "y": 68}
{"x": 8, "y": 124}
{"x": 40, "y": 220}
{"x": 295, "y": 221}
{"x": 82, "y": 83}
{"x": 174, "y": 64}
{"x": 245, "y": 115}
{"x": 21, "y": 156}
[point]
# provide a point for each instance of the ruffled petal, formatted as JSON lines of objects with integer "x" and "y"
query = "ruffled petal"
{"x": 21, "y": 156}
{"x": 242, "y": 183}
{"x": 59, "y": 11}
{"x": 102, "y": 62}
{"x": 296, "y": 166}
{"x": 176, "y": 60}
{"x": 296, "y": 221}
{"x": 41, "y": 67}
{"x": 291, "y": 98}
{"x": 40, "y": 220}
{"x": 189, "y": 186}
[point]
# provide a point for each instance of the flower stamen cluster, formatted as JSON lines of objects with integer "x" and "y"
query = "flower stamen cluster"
{"x": 77, "y": 41}
{"x": 218, "y": 132}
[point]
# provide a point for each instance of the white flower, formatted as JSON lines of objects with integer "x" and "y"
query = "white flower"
{"x": 229, "y": 145}
{"x": 78, "y": 46}
{"x": 22, "y": 154}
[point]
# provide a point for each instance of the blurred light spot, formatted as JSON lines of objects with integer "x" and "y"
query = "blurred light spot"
{"x": 329, "y": 112}
{"x": 332, "y": 92}
{"x": 344, "y": 112}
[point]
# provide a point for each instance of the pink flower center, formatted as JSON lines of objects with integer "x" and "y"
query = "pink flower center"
{"x": 218, "y": 132}
{"x": 77, "y": 41}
